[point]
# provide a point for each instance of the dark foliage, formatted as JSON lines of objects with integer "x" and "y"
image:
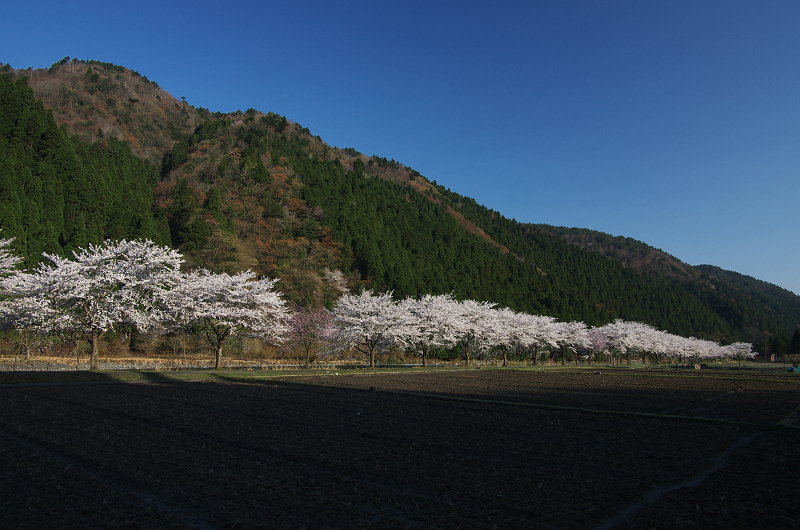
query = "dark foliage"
{"x": 57, "y": 193}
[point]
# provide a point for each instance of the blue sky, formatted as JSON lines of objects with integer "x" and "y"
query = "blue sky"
{"x": 676, "y": 123}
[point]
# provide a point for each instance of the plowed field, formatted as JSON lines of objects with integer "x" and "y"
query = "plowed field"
{"x": 516, "y": 449}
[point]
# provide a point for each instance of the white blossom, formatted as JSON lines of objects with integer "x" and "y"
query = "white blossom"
{"x": 569, "y": 335}
{"x": 473, "y": 327}
{"x": 224, "y": 305}
{"x": 370, "y": 323}
{"x": 8, "y": 264}
{"x": 105, "y": 285}
{"x": 431, "y": 324}
{"x": 8, "y": 261}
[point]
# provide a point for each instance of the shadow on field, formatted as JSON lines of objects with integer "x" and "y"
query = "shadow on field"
{"x": 60, "y": 377}
{"x": 255, "y": 452}
{"x": 751, "y": 399}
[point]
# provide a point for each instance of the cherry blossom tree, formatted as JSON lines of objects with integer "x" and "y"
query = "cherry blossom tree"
{"x": 105, "y": 285}
{"x": 635, "y": 337}
{"x": 673, "y": 346}
{"x": 33, "y": 318}
{"x": 650, "y": 342}
{"x": 8, "y": 265}
{"x": 431, "y": 325}
{"x": 370, "y": 323}
{"x": 640, "y": 339}
{"x": 660, "y": 345}
{"x": 507, "y": 331}
{"x": 625, "y": 338}
{"x": 596, "y": 342}
{"x": 740, "y": 350}
{"x": 223, "y": 305}
{"x": 569, "y": 335}
{"x": 539, "y": 335}
{"x": 309, "y": 329}
{"x": 473, "y": 331}
{"x": 695, "y": 349}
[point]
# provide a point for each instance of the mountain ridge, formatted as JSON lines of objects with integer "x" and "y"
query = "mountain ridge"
{"x": 740, "y": 288}
{"x": 254, "y": 196}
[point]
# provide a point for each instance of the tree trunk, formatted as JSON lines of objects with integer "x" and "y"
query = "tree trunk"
{"x": 218, "y": 363}
{"x": 94, "y": 339}
{"x": 424, "y": 358}
{"x": 220, "y": 333}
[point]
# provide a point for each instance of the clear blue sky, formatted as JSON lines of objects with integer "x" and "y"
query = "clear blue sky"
{"x": 676, "y": 123}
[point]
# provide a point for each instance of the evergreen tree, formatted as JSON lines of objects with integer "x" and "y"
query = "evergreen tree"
{"x": 57, "y": 193}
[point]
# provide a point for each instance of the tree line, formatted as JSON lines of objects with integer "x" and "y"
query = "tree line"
{"x": 140, "y": 284}
{"x": 134, "y": 284}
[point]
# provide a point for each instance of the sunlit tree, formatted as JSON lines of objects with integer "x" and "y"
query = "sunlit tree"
{"x": 118, "y": 282}
{"x": 739, "y": 351}
{"x": 223, "y": 305}
{"x": 473, "y": 327}
{"x": 370, "y": 323}
{"x": 569, "y": 336}
{"x": 8, "y": 261}
{"x": 432, "y": 324}
{"x": 540, "y": 334}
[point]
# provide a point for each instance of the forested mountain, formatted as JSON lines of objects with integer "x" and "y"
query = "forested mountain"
{"x": 754, "y": 303}
{"x": 254, "y": 190}
{"x": 58, "y": 193}
{"x": 751, "y": 306}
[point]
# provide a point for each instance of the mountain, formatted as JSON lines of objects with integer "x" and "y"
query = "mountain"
{"x": 256, "y": 190}
{"x": 752, "y": 306}
{"x": 750, "y": 296}
{"x": 96, "y": 100}
{"x": 58, "y": 193}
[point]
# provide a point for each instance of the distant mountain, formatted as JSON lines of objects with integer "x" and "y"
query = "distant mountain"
{"x": 752, "y": 306}
{"x": 630, "y": 252}
{"x": 256, "y": 190}
{"x": 778, "y": 304}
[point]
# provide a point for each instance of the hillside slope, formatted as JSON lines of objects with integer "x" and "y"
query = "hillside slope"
{"x": 255, "y": 190}
{"x": 752, "y": 306}
{"x": 97, "y": 100}
{"x": 57, "y": 193}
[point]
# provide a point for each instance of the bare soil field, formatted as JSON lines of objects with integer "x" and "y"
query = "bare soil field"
{"x": 414, "y": 449}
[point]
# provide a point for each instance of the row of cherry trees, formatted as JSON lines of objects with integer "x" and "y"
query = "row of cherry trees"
{"x": 371, "y": 323}
{"x": 141, "y": 284}
{"x": 137, "y": 284}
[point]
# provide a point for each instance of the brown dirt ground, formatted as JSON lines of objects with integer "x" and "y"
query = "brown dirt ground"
{"x": 266, "y": 453}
